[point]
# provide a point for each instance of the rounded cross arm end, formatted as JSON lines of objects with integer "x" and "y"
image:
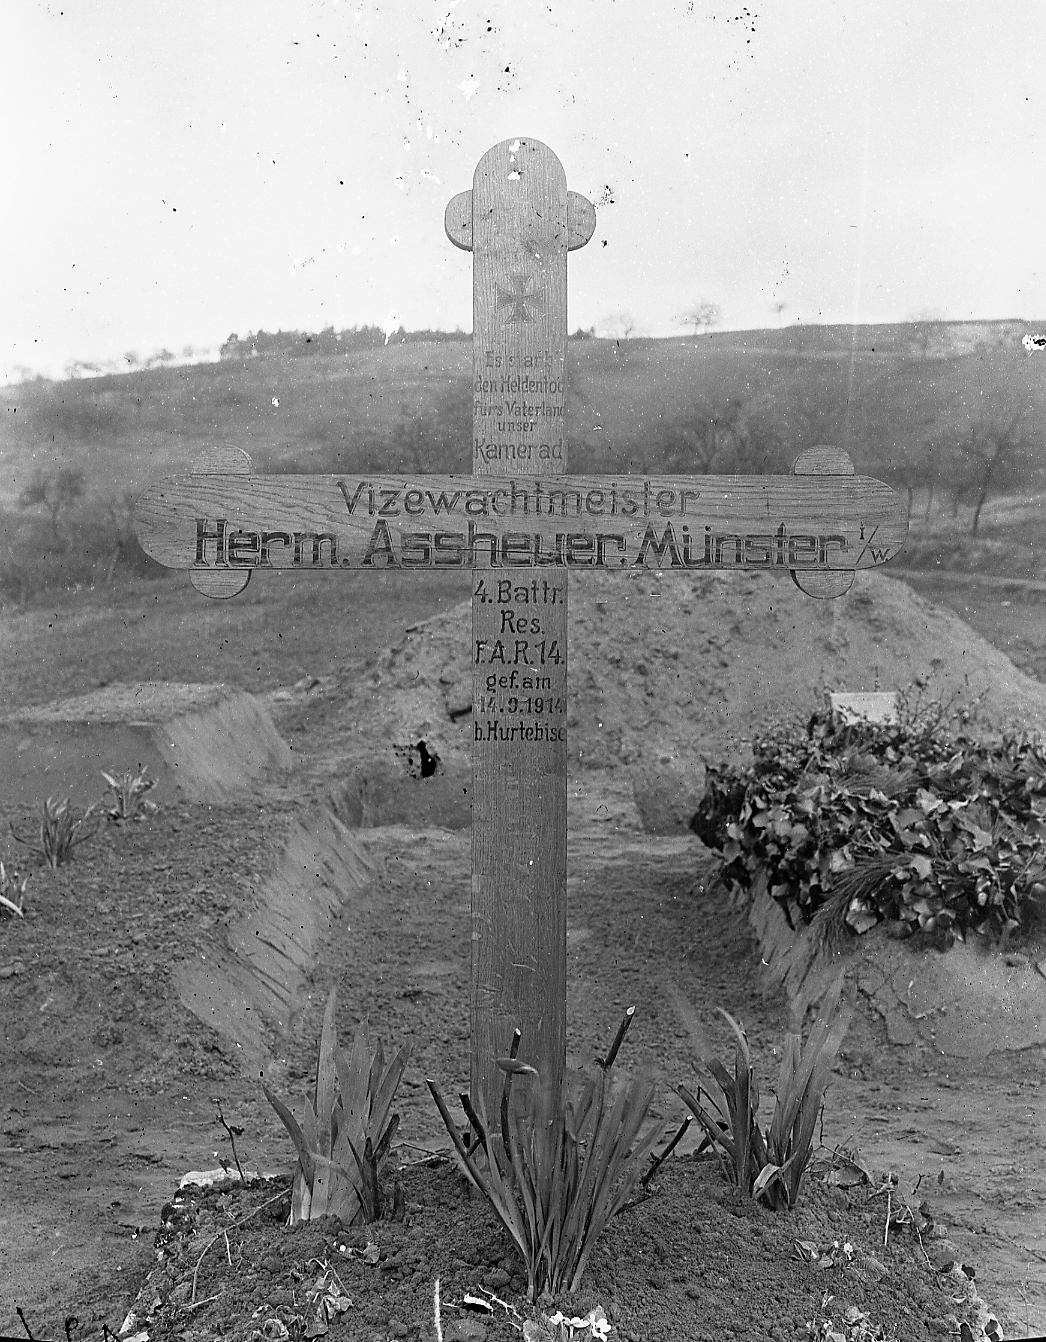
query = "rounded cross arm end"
{"x": 458, "y": 221}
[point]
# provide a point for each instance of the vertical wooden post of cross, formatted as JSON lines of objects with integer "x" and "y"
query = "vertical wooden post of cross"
{"x": 519, "y": 221}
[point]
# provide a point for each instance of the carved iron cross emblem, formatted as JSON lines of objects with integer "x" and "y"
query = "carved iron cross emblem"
{"x": 520, "y": 297}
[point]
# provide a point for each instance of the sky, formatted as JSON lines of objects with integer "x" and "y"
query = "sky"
{"x": 176, "y": 172}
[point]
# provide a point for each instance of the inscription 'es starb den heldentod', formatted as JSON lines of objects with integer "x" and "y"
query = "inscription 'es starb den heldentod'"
{"x": 518, "y": 395}
{"x": 642, "y": 524}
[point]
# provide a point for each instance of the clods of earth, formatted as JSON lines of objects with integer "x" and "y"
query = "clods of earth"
{"x": 688, "y": 1258}
{"x": 134, "y": 1001}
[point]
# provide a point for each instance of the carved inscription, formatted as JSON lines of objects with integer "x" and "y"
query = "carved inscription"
{"x": 518, "y": 411}
{"x": 219, "y": 545}
{"x": 521, "y": 533}
{"x": 530, "y": 522}
{"x": 522, "y": 665}
{"x": 521, "y": 522}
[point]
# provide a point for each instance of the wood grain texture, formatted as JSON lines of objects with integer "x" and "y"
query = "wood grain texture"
{"x": 670, "y": 522}
{"x": 823, "y": 586}
{"x": 581, "y": 220}
{"x": 223, "y": 459}
{"x": 521, "y": 232}
{"x": 822, "y": 460}
{"x": 457, "y": 220}
{"x": 521, "y": 523}
{"x": 220, "y": 584}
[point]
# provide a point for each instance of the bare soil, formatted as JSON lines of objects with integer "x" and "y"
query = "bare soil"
{"x": 110, "y": 1080}
{"x": 1010, "y": 614}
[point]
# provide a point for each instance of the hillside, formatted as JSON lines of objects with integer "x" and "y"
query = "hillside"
{"x": 874, "y": 390}
{"x": 951, "y": 413}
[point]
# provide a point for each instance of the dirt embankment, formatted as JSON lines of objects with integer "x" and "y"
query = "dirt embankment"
{"x": 111, "y": 1073}
{"x": 667, "y": 671}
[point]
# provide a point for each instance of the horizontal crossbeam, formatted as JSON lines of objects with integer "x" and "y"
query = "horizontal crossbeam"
{"x": 672, "y": 523}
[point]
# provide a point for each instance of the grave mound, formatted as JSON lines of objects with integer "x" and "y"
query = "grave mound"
{"x": 668, "y": 672}
{"x": 969, "y": 1002}
{"x": 203, "y": 742}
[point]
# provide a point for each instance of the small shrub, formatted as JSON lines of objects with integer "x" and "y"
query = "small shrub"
{"x": 129, "y": 800}
{"x": 914, "y": 823}
{"x": 96, "y": 546}
{"x": 769, "y": 1166}
{"x": 59, "y": 832}
{"x": 12, "y": 893}
{"x": 347, "y": 1129}
{"x": 561, "y": 1166}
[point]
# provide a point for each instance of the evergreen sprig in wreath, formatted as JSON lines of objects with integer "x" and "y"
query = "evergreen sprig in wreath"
{"x": 915, "y": 823}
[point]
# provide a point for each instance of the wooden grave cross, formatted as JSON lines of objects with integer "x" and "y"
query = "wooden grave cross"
{"x": 521, "y": 523}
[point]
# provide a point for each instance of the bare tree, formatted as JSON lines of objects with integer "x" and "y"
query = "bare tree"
{"x": 778, "y": 309}
{"x": 120, "y": 517}
{"x": 993, "y": 448}
{"x": 812, "y": 409}
{"x": 895, "y": 468}
{"x": 683, "y": 443}
{"x": 978, "y": 455}
{"x": 81, "y": 368}
{"x": 701, "y": 316}
{"x": 620, "y": 325}
{"x": 924, "y": 471}
{"x": 735, "y": 436}
{"x": 431, "y": 437}
{"x": 56, "y": 490}
{"x": 753, "y": 437}
{"x": 927, "y": 331}
{"x": 16, "y": 577}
